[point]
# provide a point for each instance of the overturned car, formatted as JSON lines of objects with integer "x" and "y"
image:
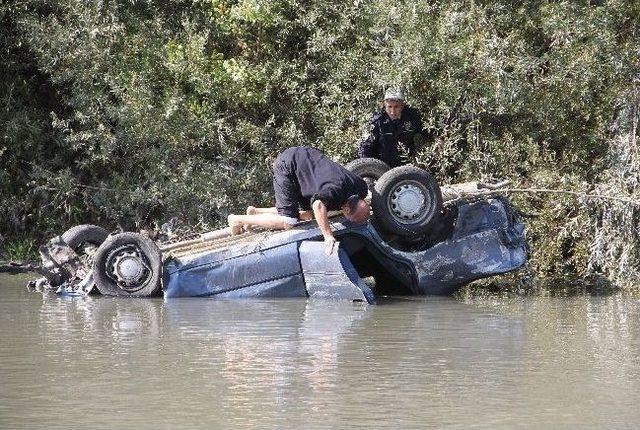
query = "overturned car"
{"x": 414, "y": 245}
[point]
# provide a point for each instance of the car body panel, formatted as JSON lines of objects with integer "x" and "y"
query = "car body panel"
{"x": 332, "y": 276}
{"x": 218, "y": 273}
{"x": 487, "y": 239}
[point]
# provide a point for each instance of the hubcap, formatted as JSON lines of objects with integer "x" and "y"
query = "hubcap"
{"x": 407, "y": 202}
{"x": 128, "y": 268}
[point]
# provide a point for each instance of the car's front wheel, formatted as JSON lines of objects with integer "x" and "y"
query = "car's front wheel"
{"x": 369, "y": 169}
{"x": 406, "y": 201}
{"x": 128, "y": 264}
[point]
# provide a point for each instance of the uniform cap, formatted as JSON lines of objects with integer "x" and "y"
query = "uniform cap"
{"x": 393, "y": 94}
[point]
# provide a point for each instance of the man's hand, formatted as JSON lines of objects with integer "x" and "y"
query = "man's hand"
{"x": 330, "y": 243}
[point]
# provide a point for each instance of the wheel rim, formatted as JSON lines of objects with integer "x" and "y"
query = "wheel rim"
{"x": 409, "y": 202}
{"x": 128, "y": 267}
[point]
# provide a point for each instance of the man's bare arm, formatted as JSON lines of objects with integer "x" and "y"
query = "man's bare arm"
{"x": 320, "y": 213}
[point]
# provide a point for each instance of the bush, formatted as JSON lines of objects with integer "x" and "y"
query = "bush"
{"x": 131, "y": 113}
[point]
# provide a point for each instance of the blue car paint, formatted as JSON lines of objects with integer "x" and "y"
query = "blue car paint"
{"x": 283, "y": 264}
{"x": 331, "y": 277}
{"x": 487, "y": 240}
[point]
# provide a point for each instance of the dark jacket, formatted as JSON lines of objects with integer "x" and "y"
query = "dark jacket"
{"x": 302, "y": 175}
{"x": 391, "y": 140}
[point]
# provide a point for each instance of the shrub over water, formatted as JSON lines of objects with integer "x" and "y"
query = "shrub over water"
{"x": 129, "y": 113}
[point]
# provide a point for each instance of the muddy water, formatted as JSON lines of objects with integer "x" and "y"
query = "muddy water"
{"x": 407, "y": 363}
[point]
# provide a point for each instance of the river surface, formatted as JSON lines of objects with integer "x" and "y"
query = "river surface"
{"x": 532, "y": 362}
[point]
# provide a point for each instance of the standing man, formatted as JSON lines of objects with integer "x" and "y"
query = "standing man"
{"x": 304, "y": 178}
{"x": 392, "y": 131}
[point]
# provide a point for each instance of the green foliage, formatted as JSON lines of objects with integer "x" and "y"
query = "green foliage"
{"x": 614, "y": 249}
{"x": 20, "y": 249}
{"x": 133, "y": 112}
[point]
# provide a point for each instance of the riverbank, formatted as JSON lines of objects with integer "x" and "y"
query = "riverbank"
{"x": 19, "y": 267}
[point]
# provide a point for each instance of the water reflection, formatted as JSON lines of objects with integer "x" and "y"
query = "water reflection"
{"x": 419, "y": 362}
{"x": 264, "y": 349}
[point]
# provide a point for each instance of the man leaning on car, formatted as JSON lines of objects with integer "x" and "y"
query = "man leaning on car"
{"x": 308, "y": 184}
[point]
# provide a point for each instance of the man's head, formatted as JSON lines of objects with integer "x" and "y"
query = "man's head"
{"x": 393, "y": 103}
{"x": 356, "y": 210}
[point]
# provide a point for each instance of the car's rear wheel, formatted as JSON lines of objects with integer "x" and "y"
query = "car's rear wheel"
{"x": 369, "y": 169}
{"x": 406, "y": 201}
{"x": 128, "y": 264}
{"x": 85, "y": 239}
{"x": 84, "y": 233}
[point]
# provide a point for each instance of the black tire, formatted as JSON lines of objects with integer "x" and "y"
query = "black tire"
{"x": 369, "y": 169}
{"x": 128, "y": 252}
{"x": 83, "y": 234}
{"x": 406, "y": 201}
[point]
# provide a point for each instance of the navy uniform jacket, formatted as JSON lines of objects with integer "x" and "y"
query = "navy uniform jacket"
{"x": 391, "y": 140}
